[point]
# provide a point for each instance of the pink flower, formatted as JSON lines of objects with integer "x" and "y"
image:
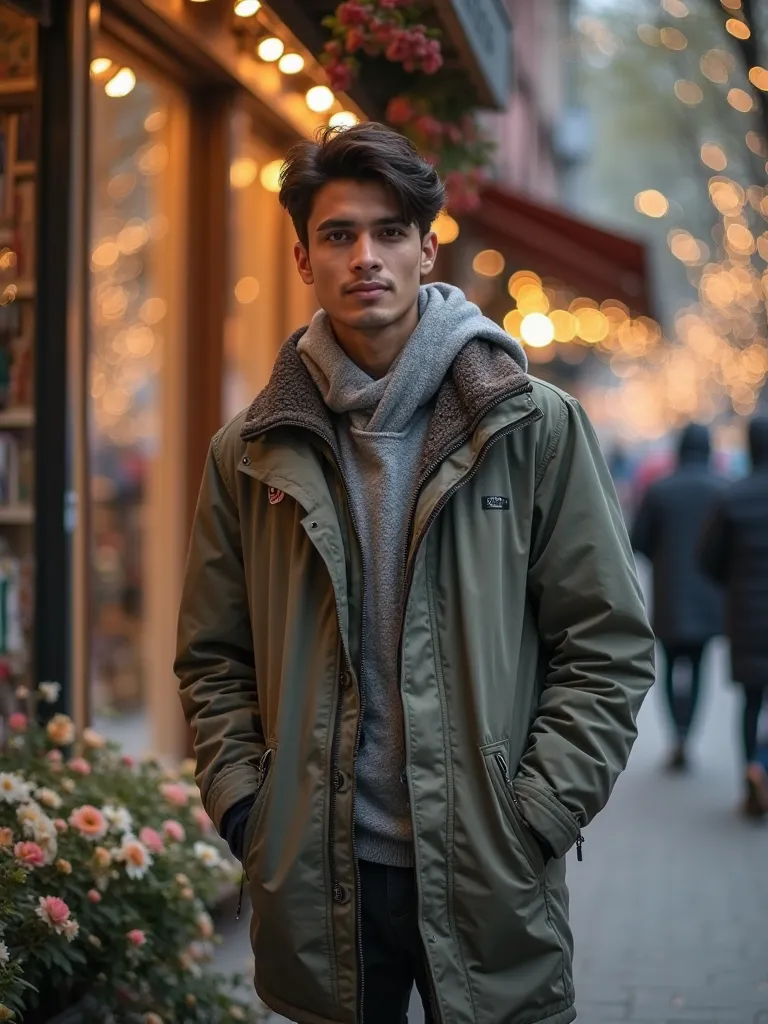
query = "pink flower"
{"x": 79, "y": 765}
{"x": 55, "y": 756}
{"x": 432, "y": 62}
{"x": 152, "y": 840}
{"x": 428, "y": 126}
{"x": 381, "y": 31}
{"x": 89, "y": 821}
{"x": 453, "y": 132}
{"x": 175, "y": 793}
{"x": 60, "y": 825}
{"x": 94, "y": 896}
{"x": 354, "y": 40}
{"x": 18, "y": 722}
{"x": 204, "y": 823}
{"x": 174, "y": 831}
{"x": 339, "y": 76}
{"x": 29, "y": 854}
{"x": 136, "y": 937}
{"x": 128, "y": 761}
{"x": 333, "y": 48}
{"x": 352, "y": 13}
{"x": 55, "y": 913}
{"x": 399, "y": 110}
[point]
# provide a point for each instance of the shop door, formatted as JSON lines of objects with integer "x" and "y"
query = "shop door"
{"x": 138, "y": 253}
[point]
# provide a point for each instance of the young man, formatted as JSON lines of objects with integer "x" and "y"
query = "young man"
{"x": 687, "y": 607}
{"x": 734, "y": 554}
{"x": 412, "y": 644}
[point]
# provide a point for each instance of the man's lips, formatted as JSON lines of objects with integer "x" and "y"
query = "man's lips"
{"x": 368, "y": 289}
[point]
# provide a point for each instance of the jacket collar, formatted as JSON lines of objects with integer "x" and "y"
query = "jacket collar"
{"x": 481, "y": 377}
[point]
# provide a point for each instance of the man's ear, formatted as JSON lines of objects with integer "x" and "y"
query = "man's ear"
{"x": 428, "y": 253}
{"x": 303, "y": 264}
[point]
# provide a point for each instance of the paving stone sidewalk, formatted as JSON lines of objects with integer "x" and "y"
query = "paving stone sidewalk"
{"x": 670, "y": 905}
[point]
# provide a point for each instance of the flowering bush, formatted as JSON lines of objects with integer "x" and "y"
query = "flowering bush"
{"x": 434, "y": 112}
{"x": 105, "y": 876}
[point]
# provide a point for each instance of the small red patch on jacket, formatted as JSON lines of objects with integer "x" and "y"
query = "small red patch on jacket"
{"x": 275, "y": 496}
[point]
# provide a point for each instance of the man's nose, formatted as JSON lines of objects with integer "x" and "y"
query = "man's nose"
{"x": 364, "y": 255}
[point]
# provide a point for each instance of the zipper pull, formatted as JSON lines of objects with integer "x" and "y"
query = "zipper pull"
{"x": 240, "y": 895}
{"x": 501, "y": 762}
{"x": 579, "y": 844}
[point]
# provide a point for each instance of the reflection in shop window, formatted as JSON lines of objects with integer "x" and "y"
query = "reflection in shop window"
{"x": 134, "y": 270}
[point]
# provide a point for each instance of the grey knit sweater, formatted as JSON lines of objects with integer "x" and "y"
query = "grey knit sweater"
{"x": 381, "y": 426}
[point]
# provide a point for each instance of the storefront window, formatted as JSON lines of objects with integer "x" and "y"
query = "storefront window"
{"x": 267, "y": 299}
{"x": 139, "y": 162}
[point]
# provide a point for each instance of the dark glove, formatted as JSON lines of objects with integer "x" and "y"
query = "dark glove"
{"x": 233, "y": 826}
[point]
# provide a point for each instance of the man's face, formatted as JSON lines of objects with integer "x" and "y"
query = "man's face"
{"x": 366, "y": 265}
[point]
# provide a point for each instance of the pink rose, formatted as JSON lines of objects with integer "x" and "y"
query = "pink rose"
{"x": 18, "y": 722}
{"x": 174, "y": 831}
{"x": 152, "y": 840}
{"x": 136, "y": 937}
{"x": 54, "y": 912}
{"x": 55, "y": 756}
{"x": 60, "y": 825}
{"x": 29, "y": 854}
{"x": 128, "y": 761}
{"x": 175, "y": 793}
{"x": 94, "y": 896}
{"x": 339, "y": 76}
{"x": 355, "y": 39}
{"x": 428, "y": 126}
{"x": 204, "y": 823}
{"x": 80, "y": 766}
{"x": 352, "y": 13}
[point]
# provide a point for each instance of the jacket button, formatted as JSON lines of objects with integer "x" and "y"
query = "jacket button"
{"x": 246, "y": 460}
{"x": 340, "y": 894}
{"x": 339, "y": 781}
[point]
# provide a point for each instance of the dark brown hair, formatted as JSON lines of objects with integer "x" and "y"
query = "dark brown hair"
{"x": 364, "y": 152}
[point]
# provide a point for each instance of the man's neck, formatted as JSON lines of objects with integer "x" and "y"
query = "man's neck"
{"x": 375, "y": 351}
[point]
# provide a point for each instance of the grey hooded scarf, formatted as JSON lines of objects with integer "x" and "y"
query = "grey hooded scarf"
{"x": 381, "y": 427}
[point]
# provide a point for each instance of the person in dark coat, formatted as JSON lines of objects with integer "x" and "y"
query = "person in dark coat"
{"x": 687, "y": 607}
{"x": 734, "y": 553}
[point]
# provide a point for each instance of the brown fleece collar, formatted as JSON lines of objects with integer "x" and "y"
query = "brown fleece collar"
{"x": 482, "y": 376}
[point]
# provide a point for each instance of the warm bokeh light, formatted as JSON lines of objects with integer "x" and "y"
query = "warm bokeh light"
{"x": 537, "y": 330}
{"x": 446, "y": 228}
{"x": 731, "y": 5}
{"x": 716, "y": 66}
{"x": 688, "y": 92}
{"x": 649, "y": 34}
{"x": 343, "y": 119}
{"x": 740, "y": 239}
{"x": 242, "y": 172}
{"x": 512, "y": 322}
{"x": 740, "y": 100}
{"x": 592, "y": 325}
{"x": 652, "y": 203}
{"x": 727, "y": 196}
{"x": 488, "y": 263}
{"x": 677, "y": 8}
{"x": 521, "y": 278}
{"x": 673, "y": 38}
{"x": 291, "y": 63}
{"x": 156, "y": 121}
{"x": 121, "y": 84}
{"x": 713, "y": 156}
{"x": 247, "y": 8}
{"x": 247, "y": 290}
{"x": 757, "y": 143}
{"x": 270, "y": 49}
{"x": 738, "y": 29}
{"x": 319, "y": 98}
{"x": 532, "y": 299}
{"x": 100, "y": 65}
{"x": 759, "y": 78}
{"x": 563, "y": 325}
{"x": 270, "y": 175}
{"x": 686, "y": 248}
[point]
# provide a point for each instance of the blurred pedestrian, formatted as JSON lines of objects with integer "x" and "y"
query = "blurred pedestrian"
{"x": 687, "y": 607}
{"x": 734, "y": 553}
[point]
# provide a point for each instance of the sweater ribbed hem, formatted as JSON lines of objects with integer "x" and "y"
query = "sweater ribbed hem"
{"x": 382, "y": 850}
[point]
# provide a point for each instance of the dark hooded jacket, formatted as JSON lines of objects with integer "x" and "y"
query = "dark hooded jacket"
{"x": 734, "y": 553}
{"x": 687, "y": 607}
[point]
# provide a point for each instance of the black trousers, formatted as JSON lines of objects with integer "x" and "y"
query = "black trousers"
{"x": 754, "y": 697}
{"x": 393, "y": 953}
{"x": 683, "y": 700}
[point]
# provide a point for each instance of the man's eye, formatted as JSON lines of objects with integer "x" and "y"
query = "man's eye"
{"x": 336, "y": 236}
{"x": 392, "y": 232}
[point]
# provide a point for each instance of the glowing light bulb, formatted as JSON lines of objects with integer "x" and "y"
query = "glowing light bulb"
{"x": 247, "y": 8}
{"x": 121, "y": 84}
{"x": 100, "y": 65}
{"x": 291, "y": 63}
{"x": 319, "y": 98}
{"x": 343, "y": 119}
{"x": 270, "y": 49}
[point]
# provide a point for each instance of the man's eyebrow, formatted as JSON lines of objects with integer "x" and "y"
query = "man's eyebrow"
{"x": 337, "y": 222}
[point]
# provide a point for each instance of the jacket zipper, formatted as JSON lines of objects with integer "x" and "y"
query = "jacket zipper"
{"x": 337, "y": 727}
{"x": 264, "y": 766}
{"x": 502, "y": 763}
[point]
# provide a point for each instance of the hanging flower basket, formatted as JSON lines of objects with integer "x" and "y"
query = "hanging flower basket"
{"x": 389, "y": 42}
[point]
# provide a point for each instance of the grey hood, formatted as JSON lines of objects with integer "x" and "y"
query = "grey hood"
{"x": 447, "y": 322}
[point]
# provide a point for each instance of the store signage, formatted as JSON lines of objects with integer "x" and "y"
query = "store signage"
{"x": 486, "y": 29}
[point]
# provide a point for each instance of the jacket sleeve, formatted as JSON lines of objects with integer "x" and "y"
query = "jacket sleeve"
{"x": 713, "y": 545}
{"x": 214, "y": 660}
{"x": 594, "y": 634}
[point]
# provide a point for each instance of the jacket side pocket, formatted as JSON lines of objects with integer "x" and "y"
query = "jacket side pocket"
{"x": 497, "y": 767}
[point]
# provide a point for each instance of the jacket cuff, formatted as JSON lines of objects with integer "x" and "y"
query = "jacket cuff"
{"x": 546, "y": 816}
{"x": 233, "y": 825}
{"x": 233, "y": 784}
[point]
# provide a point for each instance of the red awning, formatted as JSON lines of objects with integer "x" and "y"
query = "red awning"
{"x": 598, "y": 264}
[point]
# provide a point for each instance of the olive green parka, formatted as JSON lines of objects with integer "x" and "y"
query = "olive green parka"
{"x": 525, "y": 656}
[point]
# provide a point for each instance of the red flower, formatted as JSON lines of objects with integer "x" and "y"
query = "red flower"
{"x": 29, "y": 854}
{"x": 453, "y": 132}
{"x": 381, "y": 31}
{"x": 339, "y": 76}
{"x": 428, "y": 126}
{"x": 352, "y": 13}
{"x": 136, "y": 937}
{"x": 399, "y": 110}
{"x": 354, "y": 40}
{"x": 333, "y": 48}
{"x": 433, "y": 59}
{"x": 18, "y": 722}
